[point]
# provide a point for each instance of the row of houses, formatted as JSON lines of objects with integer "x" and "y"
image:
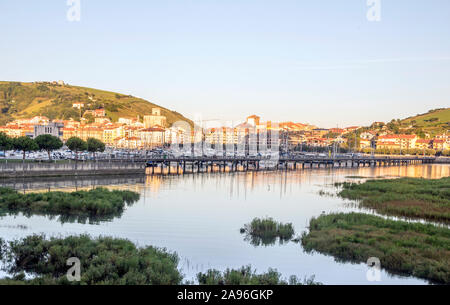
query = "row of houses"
{"x": 126, "y": 133}
{"x": 403, "y": 142}
{"x": 152, "y": 131}
{"x": 99, "y": 115}
{"x": 287, "y": 133}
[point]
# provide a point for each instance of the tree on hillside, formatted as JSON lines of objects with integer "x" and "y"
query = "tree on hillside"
{"x": 90, "y": 118}
{"x": 71, "y": 113}
{"x": 48, "y": 143}
{"x": 24, "y": 144}
{"x": 5, "y": 142}
{"x": 76, "y": 144}
{"x": 94, "y": 146}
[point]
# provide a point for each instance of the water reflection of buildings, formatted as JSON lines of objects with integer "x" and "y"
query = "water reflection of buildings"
{"x": 74, "y": 183}
{"x": 153, "y": 183}
{"x": 236, "y": 184}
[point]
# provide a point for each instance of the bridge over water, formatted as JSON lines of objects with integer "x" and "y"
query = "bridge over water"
{"x": 141, "y": 166}
{"x": 227, "y": 164}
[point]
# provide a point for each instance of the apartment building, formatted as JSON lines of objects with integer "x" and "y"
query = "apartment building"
{"x": 155, "y": 119}
{"x": 54, "y": 129}
{"x": 397, "y": 141}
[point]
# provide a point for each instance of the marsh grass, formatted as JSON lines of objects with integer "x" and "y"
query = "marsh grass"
{"x": 404, "y": 248}
{"x": 267, "y": 231}
{"x": 363, "y": 177}
{"x": 406, "y": 197}
{"x": 323, "y": 193}
{"x": 99, "y": 202}
{"x": 104, "y": 261}
{"x": 2, "y": 245}
{"x": 114, "y": 261}
{"x": 247, "y": 276}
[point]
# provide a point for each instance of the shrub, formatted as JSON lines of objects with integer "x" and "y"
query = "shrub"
{"x": 104, "y": 261}
{"x": 247, "y": 276}
{"x": 267, "y": 231}
{"x": 94, "y": 203}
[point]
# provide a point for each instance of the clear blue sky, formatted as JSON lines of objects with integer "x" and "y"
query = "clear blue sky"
{"x": 315, "y": 61}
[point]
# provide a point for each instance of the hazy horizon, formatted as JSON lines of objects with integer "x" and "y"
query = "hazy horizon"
{"x": 317, "y": 62}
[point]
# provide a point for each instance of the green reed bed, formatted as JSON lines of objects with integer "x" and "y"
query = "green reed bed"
{"x": 266, "y": 231}
{"x": 247, "y": 276}
{"x": 406, "y": 197}
{"x": 2, "y": 245}
{"x": 104, "y": 261}
{"x": 420, "y": 250}
{"x": 96, "y": 202}
{"x": 113, "y": 261}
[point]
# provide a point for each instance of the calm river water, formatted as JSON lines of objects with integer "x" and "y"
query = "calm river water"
{"x": 199, "y": 217}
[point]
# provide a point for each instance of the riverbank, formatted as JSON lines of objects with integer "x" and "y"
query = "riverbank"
{"x": 403, "y": 248}
{"x": 406, "y": 197}
{"x": 69, "y": 168}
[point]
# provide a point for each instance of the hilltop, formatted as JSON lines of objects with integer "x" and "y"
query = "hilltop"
{"x": 25, "y": 100}
{"x": 430, "y": 124}
{"x": 434, "y": 122}
{"x": 436, "y": 119}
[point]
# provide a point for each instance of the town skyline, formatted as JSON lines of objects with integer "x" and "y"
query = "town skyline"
{"x": 323, "y": 61}
{"x": 404, "y": 114}
{"x": 153, "y": 131}
{"x": 219, "y": 120}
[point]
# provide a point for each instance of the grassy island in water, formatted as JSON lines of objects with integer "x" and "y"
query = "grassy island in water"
{"x": 406, "y": 197}
{"x": 96, "y": 202}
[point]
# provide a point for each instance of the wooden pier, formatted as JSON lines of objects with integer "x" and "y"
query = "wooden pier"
{"x": 179, "y": 166}
{"x": 206, "y": 165}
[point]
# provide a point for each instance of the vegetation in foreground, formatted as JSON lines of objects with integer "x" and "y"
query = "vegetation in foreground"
{"x": 247, "y": 276}
{"x": 96, "y": 202}
{"x": 1, "y": 248}
{"x": 404, "y": 248}
{"x": 406, "y": 197}
{"x": 104, "y": 261}
{"x": 49, "y": 143}
{"x": 113, "y": 261}
{"x": 266, "y": 232}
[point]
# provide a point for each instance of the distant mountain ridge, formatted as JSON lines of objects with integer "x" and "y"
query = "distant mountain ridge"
{"x": 55, "y": 101}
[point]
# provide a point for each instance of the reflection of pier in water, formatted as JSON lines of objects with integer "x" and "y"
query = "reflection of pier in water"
{"x": 71, "y": 183}
{"x": 235, "y": 182}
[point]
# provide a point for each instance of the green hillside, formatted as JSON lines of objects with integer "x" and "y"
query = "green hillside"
{"x": 431, "y": 118}
{"x": 434, "y": 122}
{"x": 24, "y": 100}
